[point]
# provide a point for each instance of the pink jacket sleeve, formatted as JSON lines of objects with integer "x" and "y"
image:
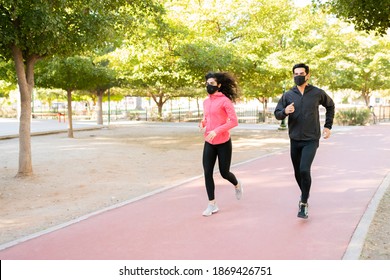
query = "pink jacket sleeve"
{"x": 232, "y": 120}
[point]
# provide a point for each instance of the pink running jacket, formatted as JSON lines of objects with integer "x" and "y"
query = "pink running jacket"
{"x": 220, "y": 116}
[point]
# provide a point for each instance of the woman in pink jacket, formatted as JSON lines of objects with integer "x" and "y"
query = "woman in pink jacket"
{"x": 219, "y": 118}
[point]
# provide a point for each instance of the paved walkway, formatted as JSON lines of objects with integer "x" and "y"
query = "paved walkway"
{"x": 349, "y": 174}
{"x": 9, "y": 128}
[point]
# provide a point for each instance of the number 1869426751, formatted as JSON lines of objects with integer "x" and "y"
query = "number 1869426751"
{"x": 242, "y": 270}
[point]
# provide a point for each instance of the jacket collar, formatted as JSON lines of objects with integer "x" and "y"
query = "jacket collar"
{"x": 307, "y": 88}
{"x": 216, "y": 94}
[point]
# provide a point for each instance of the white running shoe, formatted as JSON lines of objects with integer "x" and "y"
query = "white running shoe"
{"x": 239, "y": 190}
{"x": 211, "y": 209}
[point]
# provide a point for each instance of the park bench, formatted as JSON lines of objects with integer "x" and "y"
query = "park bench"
{"x": 47, "y": 115}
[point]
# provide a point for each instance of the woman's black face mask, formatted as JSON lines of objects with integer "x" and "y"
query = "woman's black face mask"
{"x": 211, "y": 89}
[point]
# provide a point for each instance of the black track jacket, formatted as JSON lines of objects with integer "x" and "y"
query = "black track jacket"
{"x": 304, "y": 123}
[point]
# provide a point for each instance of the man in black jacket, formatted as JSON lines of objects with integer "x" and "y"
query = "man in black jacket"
{"x": 301, "y": 104}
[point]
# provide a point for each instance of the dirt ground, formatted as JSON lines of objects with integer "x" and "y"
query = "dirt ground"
{"x": 100, "y": 168}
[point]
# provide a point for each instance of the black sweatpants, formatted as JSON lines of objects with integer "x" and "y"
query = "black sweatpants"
{"x": 224, "y": 154}
{"x": 302, "y": 156}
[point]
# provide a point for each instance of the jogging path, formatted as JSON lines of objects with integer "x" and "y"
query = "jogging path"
{"x": 349, "y": 171}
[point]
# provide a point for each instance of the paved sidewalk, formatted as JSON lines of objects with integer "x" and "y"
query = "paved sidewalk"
{"x": 348, "y": 171}
{"x": 9, "y": 128}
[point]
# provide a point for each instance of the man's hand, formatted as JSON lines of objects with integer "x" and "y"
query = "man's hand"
{"x": 326, "y": 133}
{"x": 289, "y": 109}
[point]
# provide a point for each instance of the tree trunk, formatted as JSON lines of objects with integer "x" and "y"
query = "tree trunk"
{"x": 159, "y": 100}
{"x": 198, "y": 106}
{"x": 262, "y": 100}
{"x": 100, "y": 107}
{"x": 160, "y": 109}
{"x": 265, "y": 108}
{"x": 70, "y": 118}
{"x": 366, "y": 96}
{"x": 25, "y": 75}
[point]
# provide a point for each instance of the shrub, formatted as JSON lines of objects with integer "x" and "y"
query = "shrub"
{"x": 353, "y": 116}
{"x": 7, "y": 112}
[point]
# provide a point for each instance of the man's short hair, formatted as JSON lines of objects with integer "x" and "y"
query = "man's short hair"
{"x": 301, "y": 65}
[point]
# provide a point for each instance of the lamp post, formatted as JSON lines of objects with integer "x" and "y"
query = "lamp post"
{"x": 109, "y": 106}
{"x": 283, "y": 125}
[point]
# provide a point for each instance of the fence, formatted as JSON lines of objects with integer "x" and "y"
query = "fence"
{"x": 249, "y": 114}
{"x": 245, "y": 114}
{"x": 381, "y": 113}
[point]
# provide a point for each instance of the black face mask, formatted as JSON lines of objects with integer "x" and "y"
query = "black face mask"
{"x": 299, "y": 80}
{"x": 211, "y": 89}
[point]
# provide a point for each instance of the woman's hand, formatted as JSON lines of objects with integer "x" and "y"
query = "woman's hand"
{"x": 201, "y": 126}
{"x": 211, "y": 135}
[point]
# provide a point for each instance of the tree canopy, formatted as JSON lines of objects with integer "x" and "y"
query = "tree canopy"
{"x": 34, "y": 29}
{"x": 366, "y": 15}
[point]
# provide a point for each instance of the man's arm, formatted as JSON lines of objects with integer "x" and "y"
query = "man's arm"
{"x": 330, "y": 108}
{"x": 280, "y": 113}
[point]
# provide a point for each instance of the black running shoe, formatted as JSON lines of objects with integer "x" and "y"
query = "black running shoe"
{"x": 303, "y": 210}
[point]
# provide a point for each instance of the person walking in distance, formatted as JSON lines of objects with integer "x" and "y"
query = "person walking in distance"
{"x": 219, "y": 118}
{"x": 301, "y": 104}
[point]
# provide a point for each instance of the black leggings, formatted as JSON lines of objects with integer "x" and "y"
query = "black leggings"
{"x": 302, "y": 156}
{"x": 224, "y": 154}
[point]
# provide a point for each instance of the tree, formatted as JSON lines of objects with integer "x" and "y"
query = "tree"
{"x": 363, "y": 66}
{"x": 263, "y": 48}
{"x": 200, "y": 56}
{"x": 318, "y": 42}
{"x": 159, "y": 76}
{"x": 340, "y": 58}
{"x": 5, "y": 88}
{"x": 154, "y": 67}
{"x": 237, "y": 40}
{"x": 366, "y": 15}
{"x": 48, "y": 96}
{"x": 34, "y": 29}
{"x": 7, "y": 78}
{"x": 69, "y": 74}
{"x": 102, "y": 79}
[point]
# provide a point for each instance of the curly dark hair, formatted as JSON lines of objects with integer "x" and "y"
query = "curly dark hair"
{"x": 228, "y": 83}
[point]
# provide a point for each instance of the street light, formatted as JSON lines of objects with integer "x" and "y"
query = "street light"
{"x": 109, "y": 106}
{"x": 283, "y": 125}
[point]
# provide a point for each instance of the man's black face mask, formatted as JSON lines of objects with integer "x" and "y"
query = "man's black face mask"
{"x": 299, "y": 80}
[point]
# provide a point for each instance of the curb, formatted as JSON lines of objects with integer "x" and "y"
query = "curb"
{"x": 40, "y": 133}
{"x": 355, "y": 246}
